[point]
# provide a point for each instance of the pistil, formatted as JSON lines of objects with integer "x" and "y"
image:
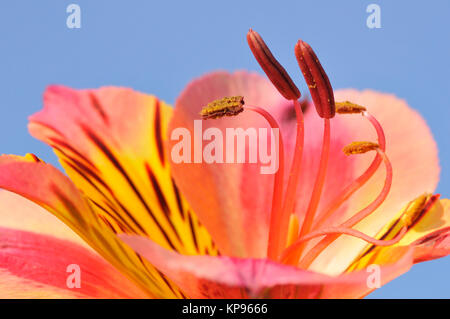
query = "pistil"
{"x": 279, "y": 217}
{"x": 291, "y": 191}
{"x": 320, "y": 180}
{"x": 323, "y": 97}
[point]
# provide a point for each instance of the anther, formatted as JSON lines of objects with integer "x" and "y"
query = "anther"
{"x": 349, "y": 108}
{"x": 316, "y": 79}
{"x": 273, "y": 69}
{"x": 227, "y": 106}
{"x": 415, "y": 210}
{"x": 360, "y": 148}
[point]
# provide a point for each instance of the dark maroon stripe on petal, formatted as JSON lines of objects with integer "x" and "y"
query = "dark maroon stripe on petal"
{"x": 194, "y": 237}
{"x": 121, "y": 223}
{"x": 60, "y": 143}
{"x": 98, "y": 107}
{"x": 178, "y": 198}
{"x": 159, "y": 193}
{"x": 158, "y": 133}
{"x": 71, "y": 209}
{"x": 108, "y": 153}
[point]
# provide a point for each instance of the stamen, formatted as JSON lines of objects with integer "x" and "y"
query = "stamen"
{"x": 288, "y": 253}
{"x": 349, "y": 108}
{"x": 325, "y": 242}
{"x": 274, "y": 230}
{"x": 227, "y": 106}
{"x": 320, "y": 180}
{"x": 277, "y": 244}
{"x": 361, "y": 180}
{"x": 317, "y": 80}
{"x": 360, "y": 148}
{"x": 273, "y": 69}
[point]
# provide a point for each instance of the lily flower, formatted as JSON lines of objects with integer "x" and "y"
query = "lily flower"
{"x": 353, "y": 192}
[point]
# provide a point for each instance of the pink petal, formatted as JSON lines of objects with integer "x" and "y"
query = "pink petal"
{"x": 227, "y": 197}
{"x": 42, "y": 261}
{"x": 48, "y": 187}
{"x": 19, "y": 213}
{"x": 434, "y": 232}
{"x": 225, "y": 277}
{"x": 110, "y": 142}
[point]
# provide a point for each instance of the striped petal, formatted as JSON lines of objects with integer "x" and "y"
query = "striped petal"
{"x": 48, "y": 187}
{"x": 110, "y": 142}
{"x": 36, "y": 248}
{"x": 225, "y": 277}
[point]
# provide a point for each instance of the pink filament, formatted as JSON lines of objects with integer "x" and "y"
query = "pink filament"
{"x": 325, "y": 242}
{"x": 320, "y": 180}
{"x": 341, "y": 231}
{"x": 291, "y": 191}
{"x": 274, "y": 231}
{"x": 361, "y": 180}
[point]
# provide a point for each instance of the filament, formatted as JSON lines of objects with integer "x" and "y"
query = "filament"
{"x": 325, "y": 242}
{"x": 274, "y": 230}
{"x": 278, "y": 243}
{"x": 361, "y": 180}
{"x": 320, "y": 179}
{"x": 341, "y": 231}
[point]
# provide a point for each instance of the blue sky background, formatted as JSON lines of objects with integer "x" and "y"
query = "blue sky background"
{"x": 158, "y": 46}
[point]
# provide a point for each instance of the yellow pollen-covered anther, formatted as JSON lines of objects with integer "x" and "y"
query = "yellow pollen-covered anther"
{"x": 227, "y": 106}
{"x": 360, "y": 148}
{"x": 414, "y": 210}
{"x": 348, "y": 107}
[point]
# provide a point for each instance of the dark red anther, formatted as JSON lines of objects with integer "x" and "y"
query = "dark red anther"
{"x": 317, "y": 80}
{"x": 273, "y": 69}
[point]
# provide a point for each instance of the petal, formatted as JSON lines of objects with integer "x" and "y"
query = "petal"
{"x": 44, "y": 260}
{"x": 16, "y": 212}
{"x": 413, "y": 153}
{"x": 225, "y": 277}
{"x": 48, "y": 187}
{"x": 13, "y": 287}
{"x": 110, "y": 142}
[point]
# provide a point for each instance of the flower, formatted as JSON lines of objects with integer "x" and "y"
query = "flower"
{"x": 141, "y": 225}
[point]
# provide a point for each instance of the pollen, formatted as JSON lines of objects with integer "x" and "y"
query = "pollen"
{"x": 360, "y": 148}
{"x": 414, "y": 210}
{"x": 227, "y": 106}
{"x": 349, "y": 108}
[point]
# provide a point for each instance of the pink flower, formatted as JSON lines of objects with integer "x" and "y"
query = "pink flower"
{"x": 141, "y": 225}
